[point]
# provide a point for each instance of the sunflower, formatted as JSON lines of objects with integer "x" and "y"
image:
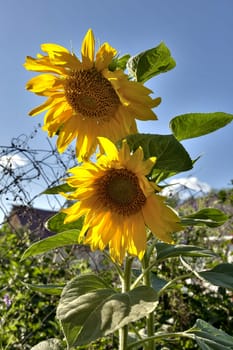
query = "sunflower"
{"x": 119, "y": 202}
{"x": 85, "y": 99}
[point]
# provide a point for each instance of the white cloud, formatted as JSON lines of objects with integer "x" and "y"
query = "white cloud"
{"x": 12, "y": 161}
{"x": 186, "y": 187}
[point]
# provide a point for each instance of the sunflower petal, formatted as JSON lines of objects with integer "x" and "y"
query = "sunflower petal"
{"x": 104, "y": 56}
{"x": 88, "y": 50}
{"x": 109, "y": 148}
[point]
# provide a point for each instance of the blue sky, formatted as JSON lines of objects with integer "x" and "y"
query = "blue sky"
{"x": 198, "y": 32}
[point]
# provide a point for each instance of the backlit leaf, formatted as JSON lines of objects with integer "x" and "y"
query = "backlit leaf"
{"x": 191, "y": 125}
{"x": 56, "y": 223}
{"x": 150, "y": 63}
{"x": 171, "y": 155}
{"x": 58, "y": 189}
{"x": 59, "y": 240}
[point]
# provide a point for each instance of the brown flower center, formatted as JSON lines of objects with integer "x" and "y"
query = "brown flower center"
{"x": 88, "y": 92}
{"x": 119, "y": 191}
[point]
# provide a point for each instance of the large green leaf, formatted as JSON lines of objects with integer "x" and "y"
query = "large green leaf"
{"x": 56, "y": 223}
{"x": 210, "y": 217}
{"x": 171, "y": 155}
{"x": 150, "y": 63}
{"x": 191, "y": 125}
{"x": 59, "y": 240}
{"x": 221, "y": 275}
{"x": 88, "y": 309}
{"x": 165, "y": 250}
{"x": 211, "y": 338}
{"x": 50, "y": 344}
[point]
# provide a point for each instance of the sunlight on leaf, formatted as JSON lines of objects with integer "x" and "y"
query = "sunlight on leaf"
{"x": 50, "y": 344}
{"x": 59, "y": 240}
{"x": 88, "y": 309}
{"x": 165, "y": 250}
{"x": 150, "y": 63}
{"x": 210, "y": 217}
{"x": 192, "y": 125}
{"x": 171, "y": 155}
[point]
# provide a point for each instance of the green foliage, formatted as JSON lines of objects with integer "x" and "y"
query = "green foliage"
{"x": 59, "y": 240}
{"x": 29, "y": 317}
{"x": 89, "y": 309}
{"x": 177, "y": 309}
{"x": 50, "y": 344}
{"x": 208, "y": 337}
{"x": 164, "y": 251}
{"x": 150, "y": 63}
{"x": 221, "y": 275}
{"x": 211, "y": 217}
{"x": 191, "y": 125}
{"x": 58, "y": 189}
{"x": 119, "y": 62}
{"x": 170, "y": 154}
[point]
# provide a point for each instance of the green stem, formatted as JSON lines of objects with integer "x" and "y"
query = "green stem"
{"x": 162, "y": 336}
{"x": 178, "y": 278}
{"x": 125, "y": 287}
{"x": 150, "y": 318}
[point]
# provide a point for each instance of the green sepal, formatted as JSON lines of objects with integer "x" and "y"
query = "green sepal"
{"x": 150, "y": 63}
{"x": 192, "y": 125}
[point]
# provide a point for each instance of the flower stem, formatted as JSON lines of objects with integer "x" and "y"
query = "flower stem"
{"x": 150, "y": 318}
{"x": 162, "y": 336}
{"x": 125, "y": 287}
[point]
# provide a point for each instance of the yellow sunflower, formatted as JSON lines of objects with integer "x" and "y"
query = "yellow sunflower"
{"x": 119, "y": 202}
{"x": 84, "y": 98}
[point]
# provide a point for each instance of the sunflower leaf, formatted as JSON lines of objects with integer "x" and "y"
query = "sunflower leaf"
{"x": 50, "y": 289}
{"x": 56, "y": 223}
{"x": 165, "y": 250}
{"x": 171, "y": 155}
{"x": 221, "y": 275}
{"x": 88, "y": 309}
{"x": 119, "y": 62}
{"x": 192, "y": 125}
{"x": 50, "y": 344}
{"x": 58, "y": 189}
{"x": 45, "y": 245}
{"x": 210, "y": 217}
{"x": 150, "y": 63}
{"x": 209, "y": 337}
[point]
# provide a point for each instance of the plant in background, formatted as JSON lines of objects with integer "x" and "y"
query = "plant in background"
{"x": 117, "y": 207}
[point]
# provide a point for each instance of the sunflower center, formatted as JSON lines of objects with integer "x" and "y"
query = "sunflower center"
{"x": 119, "y": 191}
{"x": 88, "y": 92}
